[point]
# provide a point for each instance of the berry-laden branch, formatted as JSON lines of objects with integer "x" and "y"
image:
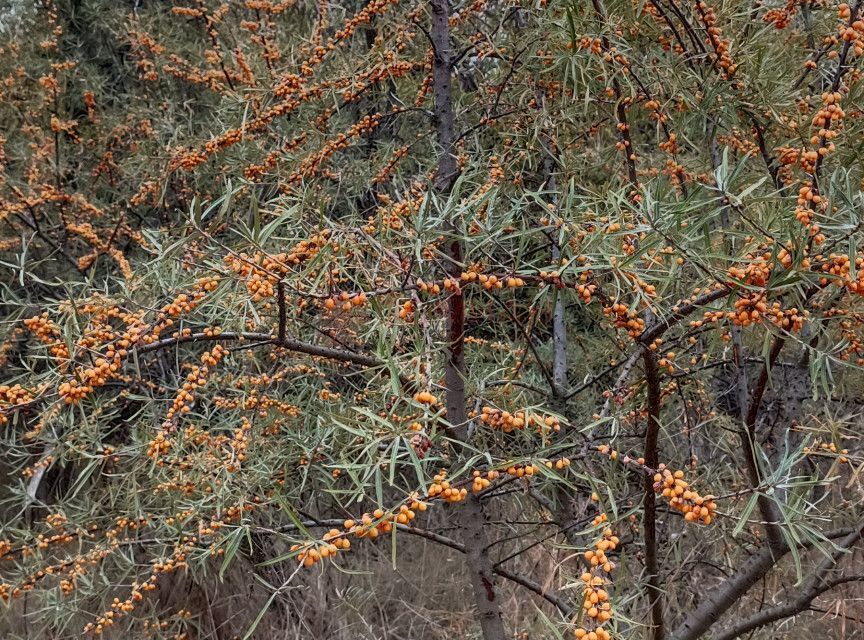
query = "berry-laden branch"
{"x": 596, "y": 602}
{"x": 381, "y": 522}
{"x": 547, "y": 594}
{"x": 408, "y": 273}
{"x": 263, "y": 339}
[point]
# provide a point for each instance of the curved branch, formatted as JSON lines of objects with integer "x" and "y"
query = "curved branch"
{"x": 551, "y": 597}
{"x": 816, "y": 585}
{"x": 726, "y": 594}
{"x": 653, "y": 332}
{"x": 661, "y": 326}
{"x": 622, "y": 380}
{"x": 267, "y": 338}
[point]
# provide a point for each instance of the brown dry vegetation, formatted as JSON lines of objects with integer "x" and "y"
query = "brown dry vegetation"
{"x": 483, "y": 319}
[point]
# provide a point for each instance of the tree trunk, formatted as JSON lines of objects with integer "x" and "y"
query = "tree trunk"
{"x": 480, "y": 570}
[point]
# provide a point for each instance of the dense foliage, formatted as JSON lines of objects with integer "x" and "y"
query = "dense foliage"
{"x": 416, "y": 319}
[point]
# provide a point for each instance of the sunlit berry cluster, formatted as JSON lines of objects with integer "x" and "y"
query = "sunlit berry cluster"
{"x": 483, "y": 481}
{"x": 369, "y": 525}
{"x": 756, "y": 270}
{"x": 596, "y": 605}
{"x": 505, "y": 421}
{"x": 850, "y": 28}
{"x": 48, "y": 334}
{"x": 487, "y": 281}
{"x": 182, "y": 304}
{"x": 424, "y": 397}
{"x": 121, "y": 608}
{"x": 681, "y": 496}
{"x": 626, "y": 318}
{"x": 236, "y": 450}
{"x": 262, "y": 273}
{"x": 345, "y": 301}
{"x": 520, "y": 470}
{"x": 314, "y": 164}
{"x": 441, "y": 488}
{"x": 715, "y": 38}
{"x": 756, "y": 310}
{"x": 332, "y": 542}
{"x": 196, "y": 377}
{"x": 12, "y": 396}
{"x": 560, "y": 464}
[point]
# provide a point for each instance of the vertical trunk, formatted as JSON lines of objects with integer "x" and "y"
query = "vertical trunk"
{"x": 471, "y": 516}
{"x": 748, "y": 407}
{"x": 446, "y": 175}
{"x": 559, "y": 327}
{"x": 655, "y": 593}
{"x": 741, "y": 383}
{"x": 767, "y": 507}
{"x": 480, "y": 569}
{"x": 564, "y": 513}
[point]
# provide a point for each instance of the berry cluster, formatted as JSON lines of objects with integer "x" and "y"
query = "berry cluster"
{"x": 331, "y": 542}
{"x": 441, "y": 489}
{"x": 682, "y": 497}
{"x": 481, "y": 481}
{"x": 507, "y": 422}
{"x": 12, "y": 396}
{"x": 596, "y": 598}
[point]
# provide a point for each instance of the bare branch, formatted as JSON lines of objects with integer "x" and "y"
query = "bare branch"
{"x": 266, "y": 339}
{"x": 812, "y": 587}
{"x": 726, "y": 594}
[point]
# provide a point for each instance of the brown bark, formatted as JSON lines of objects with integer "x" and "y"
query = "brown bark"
{"x": 767, "y": 507}
{"x": 649, "y": 524}
{"x": 472, "y": 521}
{"x": 816, "y": 584}
{"x": 731, "y": 590}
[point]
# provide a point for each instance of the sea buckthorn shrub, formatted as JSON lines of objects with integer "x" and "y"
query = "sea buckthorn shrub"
{"x": 405, "y": 319}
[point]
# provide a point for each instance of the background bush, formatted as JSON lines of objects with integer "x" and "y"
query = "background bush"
{"x": 417, "y": 320}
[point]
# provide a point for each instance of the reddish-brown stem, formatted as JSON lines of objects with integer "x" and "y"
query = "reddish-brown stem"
{"x": 283, "y": 313}
{"x": 649, "y": 525}
{"x": 768, "y": 508}
{"x": 620, "y": 106}
{"x": 471, "y": 517}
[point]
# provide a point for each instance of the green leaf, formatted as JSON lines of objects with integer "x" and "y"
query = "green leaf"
{"x": 745, "y": 515}
{"x": 260, "y": 615}
{"x": 234, "y": 539}
{"x": 292, "y": 515}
